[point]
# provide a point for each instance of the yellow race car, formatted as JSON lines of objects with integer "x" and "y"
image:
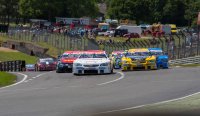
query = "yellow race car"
{"x": 138, "y": 59}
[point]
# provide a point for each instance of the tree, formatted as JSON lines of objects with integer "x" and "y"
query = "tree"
{"x": 9, "y": 9}
{"x": 150, "y": 11}
{"x": 192, "y": 11}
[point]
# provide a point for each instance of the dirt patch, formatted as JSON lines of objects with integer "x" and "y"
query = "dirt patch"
{"x": 7, "y": 50}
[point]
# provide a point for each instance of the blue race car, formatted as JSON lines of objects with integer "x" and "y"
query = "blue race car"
{"x": 161, "y": 58}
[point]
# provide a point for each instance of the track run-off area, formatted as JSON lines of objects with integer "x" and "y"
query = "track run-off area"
{"x": 63, "y": 94}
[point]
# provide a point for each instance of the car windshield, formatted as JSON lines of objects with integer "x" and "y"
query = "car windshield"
{"x": 70, "y": 56}
{"x": 93, "y": 56}
{"x": 46, "y": 60}
{"x": 30, "y": 66}
{"x": 138, "y": 54}
{"x": 157, "y": 53}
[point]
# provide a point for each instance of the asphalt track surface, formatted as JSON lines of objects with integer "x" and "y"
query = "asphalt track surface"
{"x": 63, "y": 94}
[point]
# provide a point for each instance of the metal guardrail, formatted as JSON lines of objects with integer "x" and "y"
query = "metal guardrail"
{"x": 189, "y": 60}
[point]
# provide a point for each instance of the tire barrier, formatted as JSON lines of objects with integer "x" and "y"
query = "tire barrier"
{"x": 13, "y": 66}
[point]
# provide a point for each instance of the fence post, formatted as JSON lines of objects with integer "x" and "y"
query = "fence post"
{"x": 191, "y": 44}
{"x": 179, "y": 45}
{"x": 198, "y": 40}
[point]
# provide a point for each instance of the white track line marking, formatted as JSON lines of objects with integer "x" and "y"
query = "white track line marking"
{"x": 122, "y": 76}
{"x": 40, "y": 75}
{"x": 152, "y": 104}
{"x": 24, "y": 78}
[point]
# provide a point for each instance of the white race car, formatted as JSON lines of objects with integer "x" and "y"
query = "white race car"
{"x": 93, "y": 62}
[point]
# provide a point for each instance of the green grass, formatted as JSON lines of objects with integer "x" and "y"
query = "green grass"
{"x": 188, "y": 105}
{"x": 10, "y": 56}
{"x": 7, "y": 79}
{"x": 3, "y": 37}
{"x": 53, "y": 51}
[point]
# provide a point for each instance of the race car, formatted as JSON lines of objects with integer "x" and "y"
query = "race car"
{"x": 93, "y": 62}
{"x": 65, "y": 62}
{"x": 45, "y": 64}
{"x": 116, "y": 58}
{"x": 30, "y": 67}
{"x": 138, "y": 59}
{"x": 161, "y": 58}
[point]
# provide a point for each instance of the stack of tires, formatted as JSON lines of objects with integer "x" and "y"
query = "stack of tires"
{"x": 13, "y": 66}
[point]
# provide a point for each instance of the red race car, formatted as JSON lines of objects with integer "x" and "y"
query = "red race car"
{"x": 45, "y": 64}
{"x": 65, "y": 62}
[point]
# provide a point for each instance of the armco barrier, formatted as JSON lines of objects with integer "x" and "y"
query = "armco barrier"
{"x": 189, "y": 60}
{"x": 13, "y": 66}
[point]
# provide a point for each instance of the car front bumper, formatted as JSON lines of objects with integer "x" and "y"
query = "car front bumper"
{"x": 135, "y": 66}
{"x": 91, "y": 70}
{"x": 162, "y": 64}
{"x": 64, "y": 67}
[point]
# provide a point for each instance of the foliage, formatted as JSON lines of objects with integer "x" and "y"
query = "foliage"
{"x": 49, "y": 9}
{"x": 180, "y": 12}
{"x": 10, "y": 56}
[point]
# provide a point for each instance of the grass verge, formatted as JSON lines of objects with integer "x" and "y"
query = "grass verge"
{"x": 7, "y": 79}
{"x": 53, "y": 51}
{"x": 10, "y": 56}
{"x": 185, "y": 107}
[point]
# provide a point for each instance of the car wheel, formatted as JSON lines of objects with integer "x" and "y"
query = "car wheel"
{"x": 57, "y": 71}
{"x": 76, "y": 74}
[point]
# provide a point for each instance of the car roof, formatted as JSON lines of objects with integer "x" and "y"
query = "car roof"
{"x": 138, "y": 50}
{"x": 73, "y": 52}
{"x": 44, "y": 59}
{"x": 118, "y": 52}
{"x": 30, "y": 64}
{"x": 95, "y": 52}
{"x": 155, "y": 49}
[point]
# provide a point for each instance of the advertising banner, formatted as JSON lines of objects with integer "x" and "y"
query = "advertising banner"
{"x": 68, "y": 21}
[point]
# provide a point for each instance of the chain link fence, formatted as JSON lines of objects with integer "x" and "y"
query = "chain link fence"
{"x": 176, "y": 46}
{"x": 62, "y": 41}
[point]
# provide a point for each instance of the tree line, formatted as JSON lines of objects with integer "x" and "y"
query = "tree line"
{"x": 180, "y": 12}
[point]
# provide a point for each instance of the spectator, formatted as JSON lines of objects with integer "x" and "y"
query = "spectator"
{"x": 129, "y": 38}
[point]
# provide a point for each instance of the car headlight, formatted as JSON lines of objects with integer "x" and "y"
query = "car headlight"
{"x": 125, "y": 61}
{"x": 104, "y": 64}
{"x": 78, "y": 64}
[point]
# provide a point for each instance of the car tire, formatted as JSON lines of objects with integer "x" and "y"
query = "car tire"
{"x": 57, "y": 71}
{"x": 76, "y": 74}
